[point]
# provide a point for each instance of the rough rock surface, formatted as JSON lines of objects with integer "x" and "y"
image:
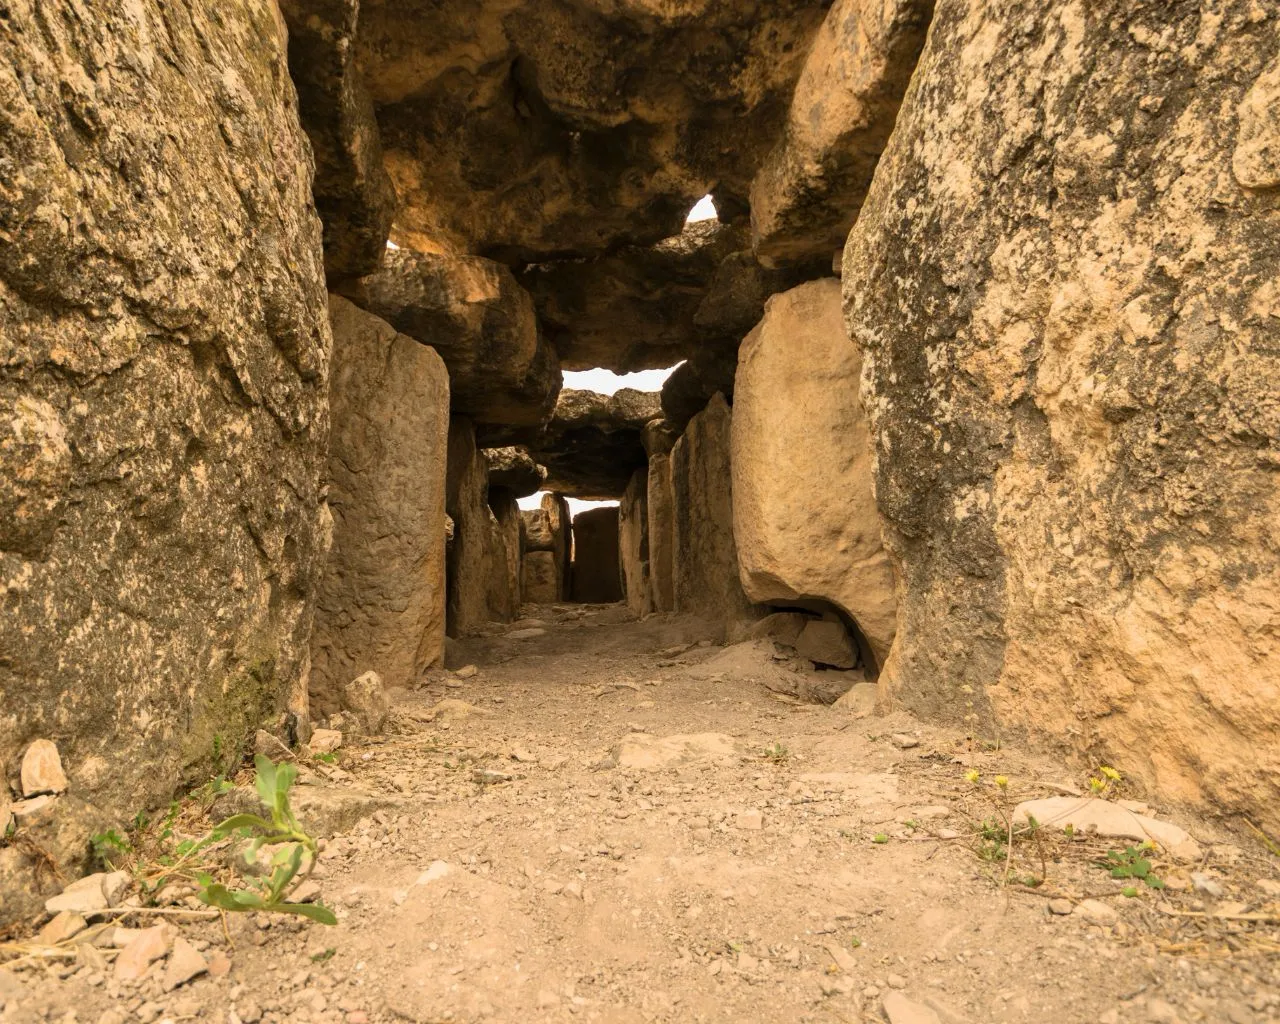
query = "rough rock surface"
{"x": 529, "y": 129}
{"x": 596, "y": 579}
{"x": 662, "y": 525}
{"x": 540, "y": 579}
{"x": 381, "y": 603}
{"x": 1070, "y": 367}
{"x": 592, "y": 444}
{"x": 708, "y": 372}
{"x": 515, "y": 470}
{"x": 804, "y": 517}
{"x": 472, "y": 312}
{"x": 557, "y": 511}
{"x": 535, "y": 530}
{"x": 164, "y": 347}
{"x": 704, "y": 556}
{"x": 504, "y": 582}
{"x": 633, "y": 309}
{"x": 469, "y": 557}
{"x": 353, "y": 192}
{"x": 633, "y": 544}
{"x": 807, "y": 195}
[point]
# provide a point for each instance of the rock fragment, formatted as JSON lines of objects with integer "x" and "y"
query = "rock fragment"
{"x": 42, "y": 770}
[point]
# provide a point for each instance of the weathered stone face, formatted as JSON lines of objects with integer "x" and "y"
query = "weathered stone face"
{"x": 540, "y": 583}
{"x": 480, "y": 321}
{"x": 353, "y": 192}
{"x": 504, "y": 581}
{"x": 513, "y": 469}
{"x": 525, "y": 129}
{"x": 1063, "y": 283}
{"x": 389, "y": 402}
{"x": 633, "y": 544}
{"x": 556, "y": 509}
{"x": 469, "y": 558}
{"x": 164, "y": 349}
{"x": 807, "y": 194}
{"x": 804, "y": 518}
{"x": 592, "y": 444}
{"x": 704, "y": 556}
{"x": 661, "y": 534}
{"x": 596, "y": 579}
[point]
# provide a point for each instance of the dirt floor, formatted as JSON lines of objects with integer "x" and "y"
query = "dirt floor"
{"x": 537, "y": 848}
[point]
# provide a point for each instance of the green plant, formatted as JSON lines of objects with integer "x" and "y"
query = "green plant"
{"x": 292, "y": 845}
{"x": 880, "y": 838}
{"x": 111, "y": 848}
{"x": 326, "y": 758}
{"x": 1131, "y": 863}
{"x": 776, "y": 752}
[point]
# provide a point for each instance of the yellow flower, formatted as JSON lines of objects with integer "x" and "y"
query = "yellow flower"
{"x": 972, "y": 775}
{"x": 1097, "y": 785}
{"x": 1110, "y": 773}
{"x": 1002, "y": 781}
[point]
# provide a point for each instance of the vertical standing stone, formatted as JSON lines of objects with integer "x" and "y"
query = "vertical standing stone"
{"x": 557, "y": 510}
{"x": 595, "y": 556}
{"x": 661, "y": 515}
{"x": 469, "y": 555}
{"x": 381, "y": 603}
{"x": 633, "y": 544}
{"x": 504, "y": 577}
{"x": 804, "y": 517}
{"x": 705, "y": 559}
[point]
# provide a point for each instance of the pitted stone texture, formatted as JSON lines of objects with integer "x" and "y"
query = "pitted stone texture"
{"x": 1070, "y": 366}
{"x": 505, "y": 575}
{"x": 528, "y": 129}
{"x": 514, "y": 469}
{"x": 541, "y": 581}
{"x": 469, "y": 558}
{"x": 556, "y": 509}
{"x": 633, "y": 544}
{"x": 353, "y": 192}
{"x": 705, "y": 558}
{"x": 480, "y": 321}
{"x": 381, "y": 604}
{"x": 807, "y": 195}
{"x": 805, "y": 520}
{"x": 164, "y": 348}
{"x": 661, "y": 511}
{"x": 596, "y": 577}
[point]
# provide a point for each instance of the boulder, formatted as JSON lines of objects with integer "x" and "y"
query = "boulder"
{"x": 826, "y": 642}
{"x": 1070, "y": 370}
{"x": 532, "y": 130}
{"x": 805, "y": 518}
{"x": 556, "y": 509}
{"x": 389, "y": 398}
{"x": 535, "y": 530}
{"x": 541, "y": 583}
{"x": 807, "y": 194}
{"x": 595, "y": 556}
{"x": 784, "y": 627}
{"x": 513, "y": 469}
{"x": 709, "y": 371}
{"x": 658, "y": 437}
{"x": 704, "y": 556}
{"x": 365, "y": 699}
{"x": 633, "y": 544}
{"x": 661, "y": 511}
{"x": 480, "y": 321}
{"x": 469, "y": 557}
{"x": 504, "y": 581}
{"x": 592, "y": 444}
{"x": 164, "y": 347}
{"x": 353, "y": 192}
{"x": 634, "y": 308}
{"x": 41, "y": 770}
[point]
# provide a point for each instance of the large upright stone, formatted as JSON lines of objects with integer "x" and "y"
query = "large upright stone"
{"x": 504, "y": 583}
{"x": 480, "y": 321}
{"x": 804, "y": 517}
{"x": 469, "y": 558}
{"x": 556, "y": 507}
{"x": 381, "y": 604}
{"x": 540, "y": 581}
{"x": 596, "y": 579}
{"x": 164, "y": 352}
{"x": 661, "y": 511}
{"x": 633, "y": 544}
{"x": 807, "y": 195}
{"x": 705, "y": 558}
{"x": 1064, "y": 284}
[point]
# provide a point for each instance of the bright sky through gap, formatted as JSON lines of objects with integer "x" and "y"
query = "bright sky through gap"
{"x": 704, "y": 210}
{"x": 606, "y": 382}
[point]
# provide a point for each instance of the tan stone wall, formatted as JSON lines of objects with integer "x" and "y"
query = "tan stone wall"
{"x": 633, "y": 544}
{"x": 1064, "y": 287}
{"x": 381, "y": 604}
{"x": 596, "y": 579}
{"x": 469, "y": 558}
{"x": 661, "y": 514}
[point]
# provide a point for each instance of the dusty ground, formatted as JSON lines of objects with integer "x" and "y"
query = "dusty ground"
{"x": 719, "y": 886}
